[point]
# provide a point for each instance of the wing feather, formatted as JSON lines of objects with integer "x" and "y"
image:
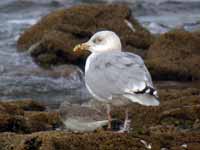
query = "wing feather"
{"x": 117, "y": 73}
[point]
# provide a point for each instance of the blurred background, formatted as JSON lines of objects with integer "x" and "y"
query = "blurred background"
{"x": 17, "y": 80}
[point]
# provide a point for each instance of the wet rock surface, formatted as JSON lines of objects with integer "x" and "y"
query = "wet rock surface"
{"x": 170, "y": 56}
{"x": 26, "y": 117}
{"x": 175, "y": 56}
{"x": 52, "y": 39}
{"x": 175, "y": 124}
{"x": 100, "y": 140}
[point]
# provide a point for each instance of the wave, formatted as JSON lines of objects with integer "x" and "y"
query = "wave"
{"x": 151, "y": 1}
{"x": 36, "y": 2}
{"x": 23, "y": 21}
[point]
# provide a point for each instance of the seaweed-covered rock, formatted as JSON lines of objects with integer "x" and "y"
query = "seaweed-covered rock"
{"x": 26, "y": 116}
{"x": 58, "y": 140}
{"x": 27, "y": 105}
{"x": 10, "y": 119}
{"x": 42, "y": 121}
{"x": 179, "y": 109}
{"x": 52, "y": 39}
{"x": 175, "y": 124}
{"x": 175, "y": 56}
{"x": 12, "y": 123}
{"x": 10, "y": 108}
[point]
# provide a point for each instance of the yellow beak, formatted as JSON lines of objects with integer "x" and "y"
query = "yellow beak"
{"x": 81, "y": 47}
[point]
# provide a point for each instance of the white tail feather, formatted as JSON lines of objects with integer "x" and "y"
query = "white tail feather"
{"x": 143, "y": 99}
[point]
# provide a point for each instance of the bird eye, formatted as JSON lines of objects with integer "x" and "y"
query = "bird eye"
{"x": 97, "y": 40}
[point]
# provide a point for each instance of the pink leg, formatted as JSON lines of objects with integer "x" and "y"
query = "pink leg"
{"x": 127, "y": 123}
{"x": 109, "y": 116}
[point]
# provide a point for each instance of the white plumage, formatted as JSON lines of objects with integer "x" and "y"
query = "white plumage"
{"x": 111, "y": 73}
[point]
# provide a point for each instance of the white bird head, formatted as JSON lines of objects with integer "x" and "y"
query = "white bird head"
{"x": 102, "y": 41}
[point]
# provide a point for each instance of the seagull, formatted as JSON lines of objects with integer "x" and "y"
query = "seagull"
{"x": 116, "y": 77}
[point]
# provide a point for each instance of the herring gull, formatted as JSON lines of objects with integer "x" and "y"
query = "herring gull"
{"x": 116, "y": 77}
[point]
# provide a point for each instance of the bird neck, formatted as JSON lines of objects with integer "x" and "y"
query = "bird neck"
{"x": 89, "y": 59}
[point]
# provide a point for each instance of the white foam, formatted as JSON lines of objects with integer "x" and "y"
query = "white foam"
{"x": 155, "y": 28}
{"x": 129, "y": 24}
{"x": 23, "y": 21}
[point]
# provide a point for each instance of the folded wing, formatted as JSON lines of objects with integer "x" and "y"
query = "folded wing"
{"x": 123, "y": 74}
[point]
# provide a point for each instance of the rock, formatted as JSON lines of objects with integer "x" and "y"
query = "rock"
{"x": 9, "y": 141}
{"x": 12, "y": 123}
{"x": 53, "y": 38}
{"x": 10, "y": 108}
{"x": 42, "y": 121}
{"x": 54, "y": 140}
{"x": 65, "y": 141}
{"x": 175, "y": 56}
{"x": 26, "y": 117}
{"x": 179, "y": 108}
{"x": 11, "y": 117}
{"x": 27, "y": 105}
{"x": 173, "y": 125}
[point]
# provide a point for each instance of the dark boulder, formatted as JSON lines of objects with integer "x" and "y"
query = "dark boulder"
{"x": 175, "y": 56}
{"x": 52, "y": 39}
{"x": 26, "y": 116}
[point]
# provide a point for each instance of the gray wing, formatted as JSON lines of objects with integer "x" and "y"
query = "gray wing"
{"x": 117, "y": 73}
